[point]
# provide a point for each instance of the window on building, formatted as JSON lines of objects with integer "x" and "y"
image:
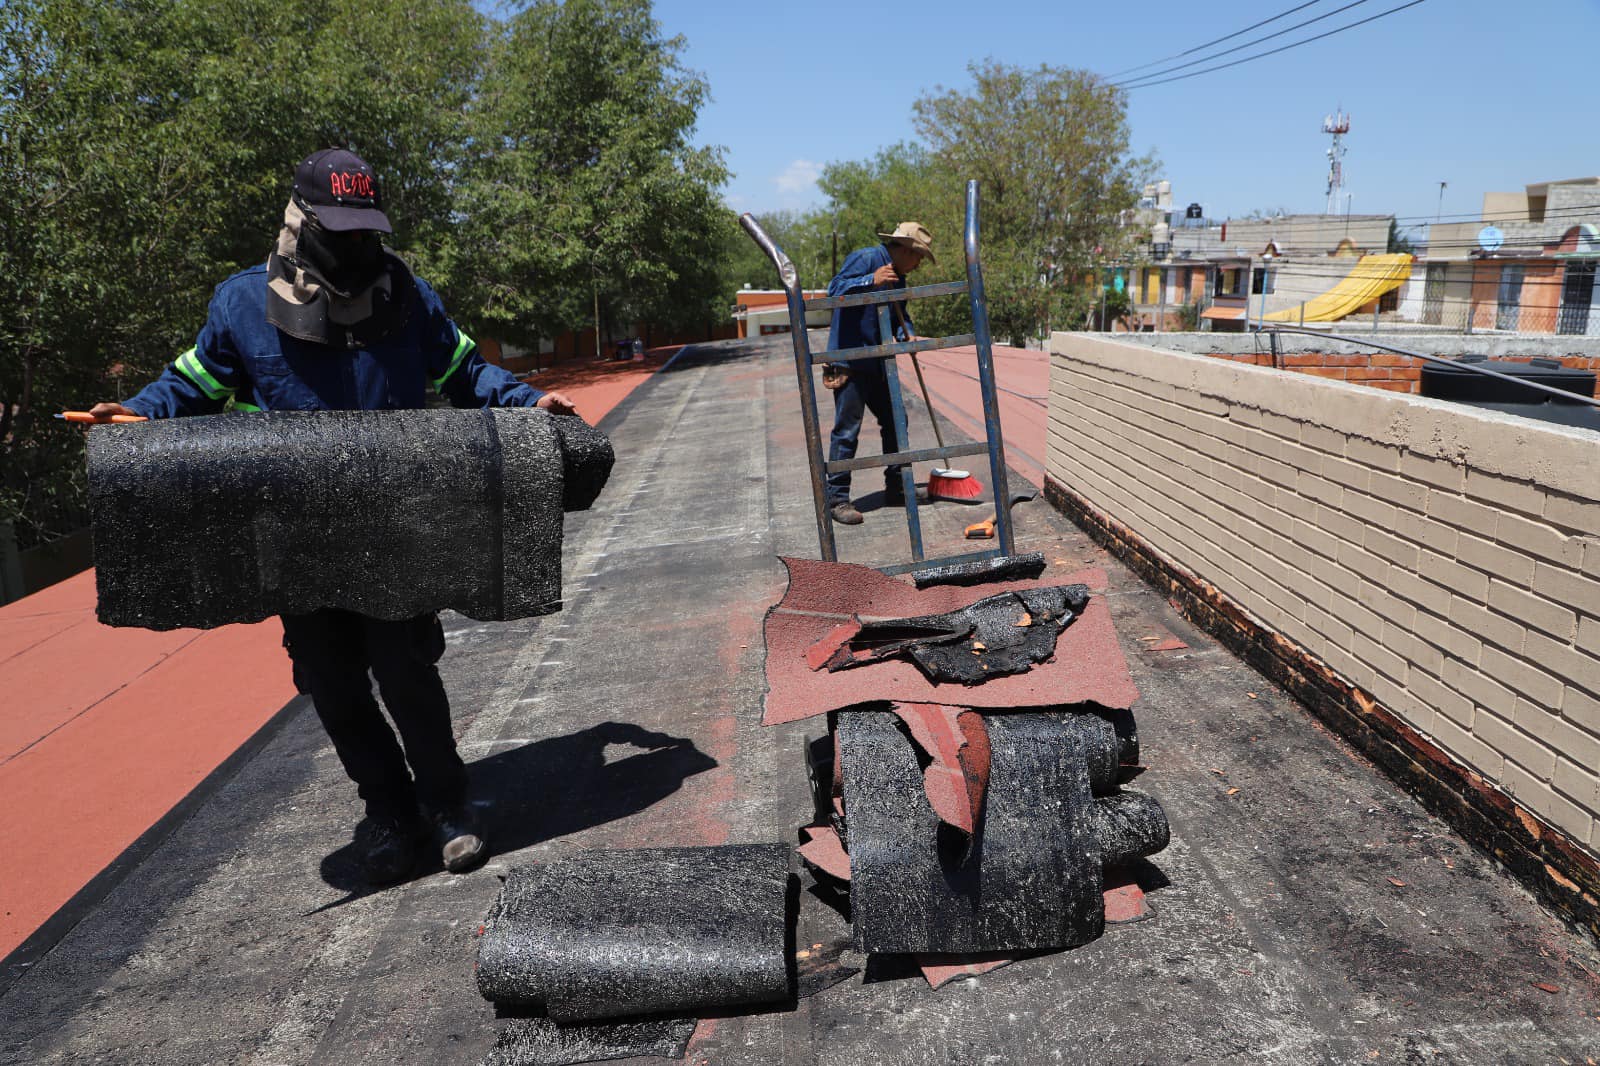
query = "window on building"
{"x": 1230, "y": 282}
{"x": 768, "y": 330}
{"x": 1261, "y": 281}
{"x": 1508, "y": 309}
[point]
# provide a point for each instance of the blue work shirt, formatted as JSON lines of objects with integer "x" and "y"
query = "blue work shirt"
{"x": 239, "y": 355}
{"x": 857, "y": 327}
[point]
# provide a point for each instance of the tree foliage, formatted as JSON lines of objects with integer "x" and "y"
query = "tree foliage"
{"x": 1049, "y": 148}
{"x": 581, "y": 184}
{"x": 147, "y": 149}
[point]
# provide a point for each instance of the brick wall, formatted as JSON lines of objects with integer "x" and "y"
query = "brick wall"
{"x": 1380, "y": 370}
{"x": 1398, "y": 373}
{"x": 1425, "y": 576}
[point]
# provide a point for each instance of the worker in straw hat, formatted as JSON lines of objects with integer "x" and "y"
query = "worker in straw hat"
{"x": 863, "y": 385}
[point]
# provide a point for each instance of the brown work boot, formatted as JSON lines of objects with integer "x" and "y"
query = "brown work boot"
{"x": 846, "y": 514}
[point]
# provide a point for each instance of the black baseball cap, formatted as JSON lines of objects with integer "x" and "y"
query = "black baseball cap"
{"x": 341, "y": 190}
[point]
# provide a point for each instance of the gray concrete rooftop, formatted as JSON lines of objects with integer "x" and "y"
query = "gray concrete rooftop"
{"x": 1309, "y": 912}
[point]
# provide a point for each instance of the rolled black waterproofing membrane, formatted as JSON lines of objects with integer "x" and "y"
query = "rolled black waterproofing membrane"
{"x": 1032, "y": 877}
{"x": 532, "y": 1041}
{"x": 613, "y": 934}
{"x": 199, "y": 522}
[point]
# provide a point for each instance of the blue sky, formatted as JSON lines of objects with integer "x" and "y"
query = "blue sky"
{"x": 1482, "y": 94}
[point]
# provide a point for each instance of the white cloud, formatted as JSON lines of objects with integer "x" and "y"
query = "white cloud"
{"x": 797, "y": 184}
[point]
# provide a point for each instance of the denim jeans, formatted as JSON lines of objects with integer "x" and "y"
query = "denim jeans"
{"x": 866, "y": 390}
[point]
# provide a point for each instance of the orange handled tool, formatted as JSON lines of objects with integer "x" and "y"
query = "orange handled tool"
{"x": 86, "y": 417}
{"x": 985, "y": 530}
{"x": 981, "y": 530}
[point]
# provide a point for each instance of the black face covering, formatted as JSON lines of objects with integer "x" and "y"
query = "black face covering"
{"x": 348, "y": 262}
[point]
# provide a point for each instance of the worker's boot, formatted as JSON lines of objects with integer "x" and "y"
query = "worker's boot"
{"x": 894, "y": 493}
{"x": 845, "y": 513}
{"x": 460, "y": 839}
{"x": 389, "y": 848}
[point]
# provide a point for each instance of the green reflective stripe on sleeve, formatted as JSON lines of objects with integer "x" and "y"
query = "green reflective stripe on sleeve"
{"x": 189, "y": 366}
{"x": 463, "y": 344}
{"x": 240, "y": 406}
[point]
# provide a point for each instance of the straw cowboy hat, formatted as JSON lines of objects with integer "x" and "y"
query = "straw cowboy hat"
{"x": 916, "y": 235}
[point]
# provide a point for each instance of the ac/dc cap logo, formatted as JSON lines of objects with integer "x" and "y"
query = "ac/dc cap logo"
{"x": 341, "y": 190}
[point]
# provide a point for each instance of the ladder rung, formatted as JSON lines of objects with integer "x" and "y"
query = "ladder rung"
{"x": 883, "y": 296}
{"x": 881, "y": 351}
{"x": 836, "y": 466}
{"x": 949, "y": 560}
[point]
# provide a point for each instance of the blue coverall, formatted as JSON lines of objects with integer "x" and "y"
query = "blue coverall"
{"x": 868, "y": 386}
{"x": 239, "y": 355}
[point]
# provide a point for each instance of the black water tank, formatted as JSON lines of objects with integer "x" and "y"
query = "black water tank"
{"x": 1463, "y": 385}
{"x": 1459, "y": 382}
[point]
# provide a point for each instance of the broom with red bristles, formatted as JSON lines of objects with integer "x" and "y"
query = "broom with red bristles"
{"x": 957, "y": 485}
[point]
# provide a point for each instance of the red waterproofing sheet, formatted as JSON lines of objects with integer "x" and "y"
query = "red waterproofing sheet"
{"x": 823, "y": 850}
{"x": 1088, "y": 664}
{"x": 957, "y": 747}
{"x": 940, "y": 970}
{"x": 1125, "y": 900}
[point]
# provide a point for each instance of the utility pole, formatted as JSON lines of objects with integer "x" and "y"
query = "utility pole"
{"x": 1437, "y": 215}
{"x": 835, "y": 244}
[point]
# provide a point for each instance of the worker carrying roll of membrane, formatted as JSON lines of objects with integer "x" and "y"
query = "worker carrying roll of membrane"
{"x": 199, "y": 522}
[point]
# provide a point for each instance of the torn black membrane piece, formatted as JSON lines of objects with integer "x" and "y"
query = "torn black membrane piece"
{"x": 199, "y": 522}
{"x": 535, "y": 1041}
{"x": 998, "y": 635}
{"x": 614, "y": 934}
{"x": 1033, "y": 876}
{"x": 982, "y": 571}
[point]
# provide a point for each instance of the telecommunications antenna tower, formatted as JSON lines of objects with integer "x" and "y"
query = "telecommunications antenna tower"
{"x": 1336, "y": 124}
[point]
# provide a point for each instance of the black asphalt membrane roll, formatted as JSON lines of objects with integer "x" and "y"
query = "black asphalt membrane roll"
{"x": 615, "y": 934}
{"x": 1032, "y": 878}
{"x": 199, "y": 522}
{"x": 541, "y": 1042}
{"x": 1129, "y": 825}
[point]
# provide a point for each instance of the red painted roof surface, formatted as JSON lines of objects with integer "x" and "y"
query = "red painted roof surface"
{"x": 1022, "y": 388}
{"x": 103, "y": 731}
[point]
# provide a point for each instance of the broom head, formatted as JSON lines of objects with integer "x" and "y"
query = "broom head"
{"x": 954, "y": 485}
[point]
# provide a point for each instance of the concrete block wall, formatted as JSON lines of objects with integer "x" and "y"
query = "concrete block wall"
{"x": 1442, "y": 562}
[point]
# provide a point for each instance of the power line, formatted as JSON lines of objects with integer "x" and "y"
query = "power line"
{"x": 1141, "y": 84}
{"x": 1566, "y": 214}
{"x": 1444, "y": 219}
{"x": 1247, "y": 44}
{"x": 1219, "y": 40}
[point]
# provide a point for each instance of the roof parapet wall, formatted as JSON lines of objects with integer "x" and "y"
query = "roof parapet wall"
{"x": 1424, "y": 576}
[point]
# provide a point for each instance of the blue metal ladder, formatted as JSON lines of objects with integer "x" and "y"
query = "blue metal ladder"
{"x": 816, "y": 443}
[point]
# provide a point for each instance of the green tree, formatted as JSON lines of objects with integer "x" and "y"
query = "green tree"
{"x": 1400, "y": 242}
{"x": 146, "y": 151}
{"x": 582, "y": 187}
{"x": 805, "y": 237}
{"x": 904, "y": 182}
{"x": 1049, "y": 148}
